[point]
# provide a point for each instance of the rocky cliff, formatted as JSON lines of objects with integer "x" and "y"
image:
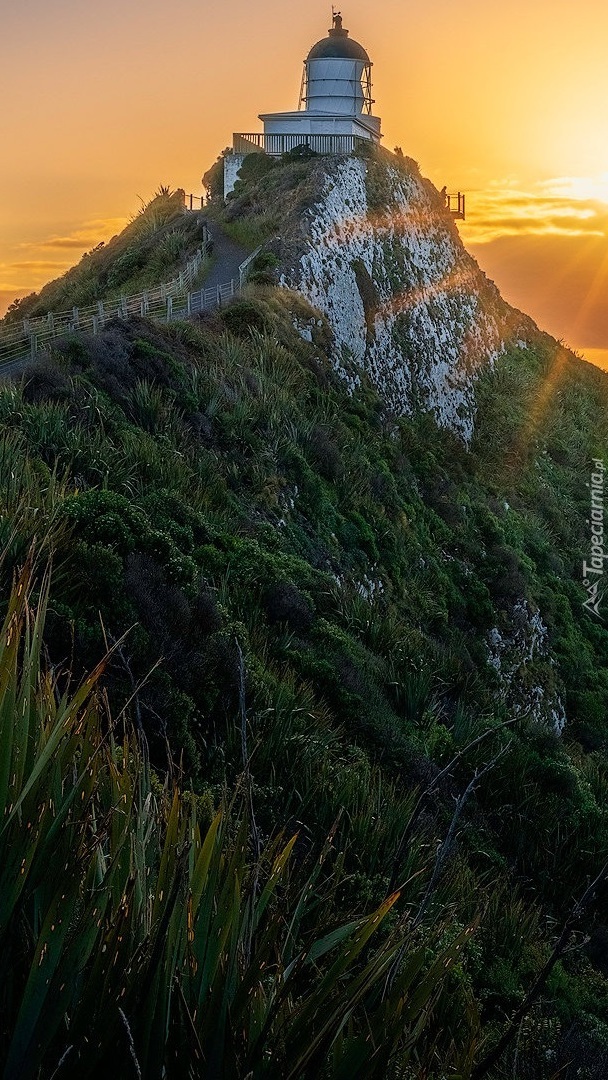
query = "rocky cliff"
{"x": 365, "y": 629}
{"x": 369, "y": 243}
{"x": 379, "y": 255}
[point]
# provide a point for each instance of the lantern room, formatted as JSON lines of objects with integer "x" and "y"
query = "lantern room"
{"x": 334, "y": 112}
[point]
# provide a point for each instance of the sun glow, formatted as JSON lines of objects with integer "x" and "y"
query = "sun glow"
{"x": 509, "y": 110}
{"x": 579, "y": 188}
{"x": 539, "y": 408}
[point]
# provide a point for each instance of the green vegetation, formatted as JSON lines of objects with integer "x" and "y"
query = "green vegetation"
{"x": 267, "y": 193}
{"x": 272, "y": 194}
{"x": 150, "y": 251}
{"x": 137, "y": 931}
{"x": 310, "y": 816}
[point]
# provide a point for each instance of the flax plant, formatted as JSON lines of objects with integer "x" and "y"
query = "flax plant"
{"x": 134, "y": 939}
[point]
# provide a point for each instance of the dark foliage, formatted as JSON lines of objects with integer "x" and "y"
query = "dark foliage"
{"x": 284, "y": 603}
{"x": 219, "y": 497}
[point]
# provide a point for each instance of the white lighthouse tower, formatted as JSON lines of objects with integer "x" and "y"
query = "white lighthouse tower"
{"x": 335, "y": 108}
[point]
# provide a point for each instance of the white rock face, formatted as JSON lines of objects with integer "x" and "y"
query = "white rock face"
{"x": 404, "y": 299}
{"x": 378, "y": 254}
{"x": 511, "y": 653}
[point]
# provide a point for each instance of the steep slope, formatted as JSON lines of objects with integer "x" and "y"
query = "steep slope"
{"x": 151, "y": 250}
{"x": 332, "y": 597}
{"x": 378, "y": 253}
{"x": 370, "y": 244}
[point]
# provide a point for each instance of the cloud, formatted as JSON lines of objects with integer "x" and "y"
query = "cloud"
{"x": 86, "y": 236}
{"x": 594, "y": 188}
{"x": 561, "y": 281}
{"x": 545, "y": 245}
{"x": 33, "y": 264}
{"x": 24, "y": 276}
{"x": 76, "y": 242}
{"x": 51, "y": 256}
{"x": 564, "y": 206}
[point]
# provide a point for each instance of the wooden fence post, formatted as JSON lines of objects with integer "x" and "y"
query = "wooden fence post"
{"x": 51, "y": 324}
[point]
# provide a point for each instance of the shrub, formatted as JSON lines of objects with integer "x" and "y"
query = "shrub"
{"x": 255, "y": 166}
{"x": 105, "y": 517}
{"x": 171, "y": 249}
{"x": 206, "y": 615}
{"x": 123, "y": 267}
{"x": 324, "y": 453}
{"x": 46, "y": 381}
{"x": 285, "y": 603}
{"x": 21, "y": 307}
{"x": 303, "y": 152}
{"x": 161, "y": 606}
{"x": 242, "y": 317}
{"x": 115, "y": 896}
{"x": 263, "y": 269}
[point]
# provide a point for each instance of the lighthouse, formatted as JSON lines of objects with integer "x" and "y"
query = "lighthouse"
{"x": 334, "y": 113}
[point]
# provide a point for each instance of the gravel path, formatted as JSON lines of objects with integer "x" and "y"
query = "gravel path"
{"x": 227, "y": 257}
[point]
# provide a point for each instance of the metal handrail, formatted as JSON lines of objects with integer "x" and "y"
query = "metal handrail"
{"x": 275, "y": 144}
{"x": 132, "y": 303}
{"x": 455, "y": 203}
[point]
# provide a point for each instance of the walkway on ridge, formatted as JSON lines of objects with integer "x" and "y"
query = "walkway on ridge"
{"x": 228, "y": 257}
{"x": 224, "y": 281}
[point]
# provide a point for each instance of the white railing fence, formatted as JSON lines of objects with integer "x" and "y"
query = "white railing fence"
{"x": 275, "y": 145}
{"x": 172, "y": 300}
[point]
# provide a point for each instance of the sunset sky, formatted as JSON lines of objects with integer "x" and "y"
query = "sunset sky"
{"x": 101, "y": 103}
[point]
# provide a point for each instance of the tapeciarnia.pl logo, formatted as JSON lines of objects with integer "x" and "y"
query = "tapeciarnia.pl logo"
{"x": 593, "y": 570}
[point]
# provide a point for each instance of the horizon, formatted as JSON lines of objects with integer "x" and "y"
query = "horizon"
{"x": 143, "y": 101}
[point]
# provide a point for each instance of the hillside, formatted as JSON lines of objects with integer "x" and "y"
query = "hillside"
{"x": 369, "y": 242}
{"x": 152, "y": 249}
{"x": 344, "y": 542}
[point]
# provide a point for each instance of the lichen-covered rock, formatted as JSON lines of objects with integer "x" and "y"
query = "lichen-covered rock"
{"x": 381, "y": 257}
{"x": 521, "y": 658}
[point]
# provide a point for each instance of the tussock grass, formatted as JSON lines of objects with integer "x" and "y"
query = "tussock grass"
{"x": 211, "y": 488}
{"x": 150, "y": 250}
{"x": 125, "y": 909}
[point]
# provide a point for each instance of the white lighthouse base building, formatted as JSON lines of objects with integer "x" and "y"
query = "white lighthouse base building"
{"x": 335, "y": 112}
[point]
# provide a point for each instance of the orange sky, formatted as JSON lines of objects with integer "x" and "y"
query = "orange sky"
{"x": 102, "y": 103}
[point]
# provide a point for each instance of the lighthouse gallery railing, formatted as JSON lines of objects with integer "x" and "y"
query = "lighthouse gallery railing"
{"x": 275, "y": 145}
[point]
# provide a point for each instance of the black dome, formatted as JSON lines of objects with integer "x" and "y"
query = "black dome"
{"x": 338, "y": 46}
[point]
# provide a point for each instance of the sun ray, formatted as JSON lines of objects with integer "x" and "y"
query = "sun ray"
{"x": 516, "y": 458}
{"x": 596, "y": 290}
